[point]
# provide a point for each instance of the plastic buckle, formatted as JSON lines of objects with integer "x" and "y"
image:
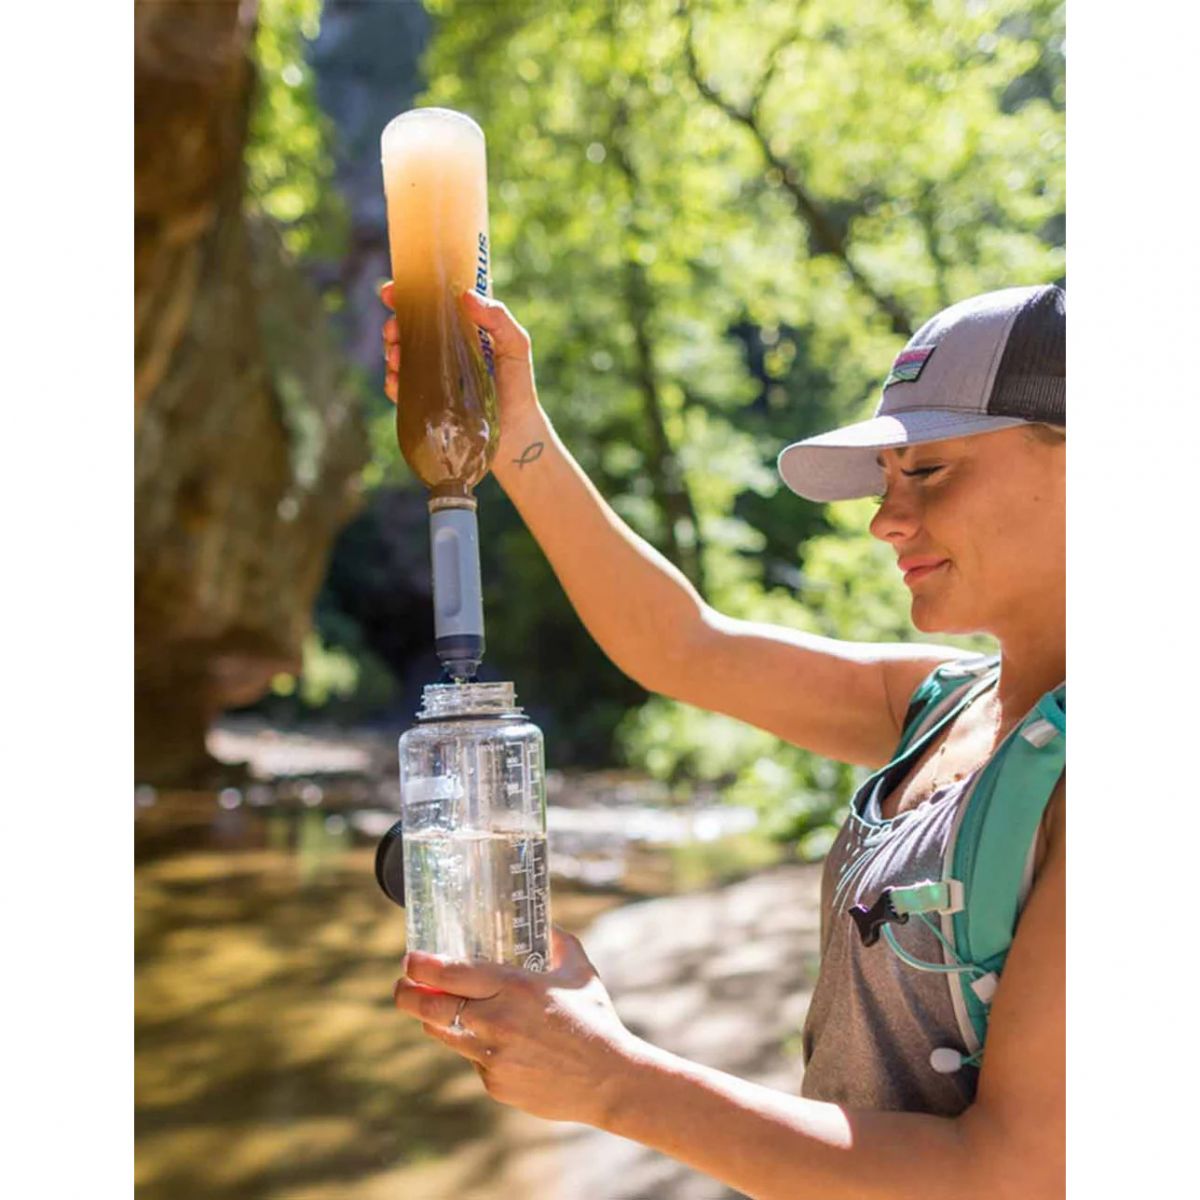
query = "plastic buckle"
{"x": 1039, "y": 733}
{"x": 871, "y": 920}
{"x": 985, "y": 986}
{"x": 957, "y": 898}
{"x": 942, "y": 896}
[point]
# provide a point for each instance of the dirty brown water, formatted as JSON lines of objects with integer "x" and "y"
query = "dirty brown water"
{"x": 270, "y": 1063}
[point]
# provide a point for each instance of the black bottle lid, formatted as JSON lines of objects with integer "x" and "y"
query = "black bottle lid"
{"x": 389, "y": 864}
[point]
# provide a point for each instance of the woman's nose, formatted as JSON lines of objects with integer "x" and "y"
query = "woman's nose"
{"x": 897, "y": 519}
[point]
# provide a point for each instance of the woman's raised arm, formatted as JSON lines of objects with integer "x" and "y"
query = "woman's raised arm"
{"x": 843, "y": 700}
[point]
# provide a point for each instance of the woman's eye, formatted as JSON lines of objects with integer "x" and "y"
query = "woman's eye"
{"x": 914, "y": 473}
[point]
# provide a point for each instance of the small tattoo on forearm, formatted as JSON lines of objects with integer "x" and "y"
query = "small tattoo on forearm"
{"x": 531, "y": 453}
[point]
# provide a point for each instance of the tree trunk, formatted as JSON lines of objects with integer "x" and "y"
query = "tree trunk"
{"x": 248, "y": 440}
{"x": 666, "y": 472}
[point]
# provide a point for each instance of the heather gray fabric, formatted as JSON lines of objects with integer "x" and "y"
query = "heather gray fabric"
{"x": 982, "y": 365}
{"x": 873, "y": 1020}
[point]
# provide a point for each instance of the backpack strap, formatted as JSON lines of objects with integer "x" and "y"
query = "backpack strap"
{"x": 989, "y": 860}
{"x": 992, "y": 854}
{"x": 944, "y": 692}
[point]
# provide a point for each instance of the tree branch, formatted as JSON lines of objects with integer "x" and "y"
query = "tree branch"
{"x": 764, "y": 83}
{"x": 670, "y": 485}
{"x": 824, "y": 232}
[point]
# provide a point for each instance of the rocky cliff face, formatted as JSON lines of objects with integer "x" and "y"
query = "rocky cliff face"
{"x": 248, "y": 440}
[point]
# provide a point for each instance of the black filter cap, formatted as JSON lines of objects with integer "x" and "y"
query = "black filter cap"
{"x": 389, "y": 863}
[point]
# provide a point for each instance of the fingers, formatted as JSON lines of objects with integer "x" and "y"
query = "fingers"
{"x": 429, "y": 1006}
{"x": 476, "y": 981}
{"x": 391, "y": 349}
{"x": 461, "y": 1042}
{"x": 391, "y": 344}
{"x": 436, "y": 1011}
{"x": 567, "y": 952}
{"x": 508, "y": 337}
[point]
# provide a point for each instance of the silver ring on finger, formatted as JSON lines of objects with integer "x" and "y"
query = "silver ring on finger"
{"x": 458, "y": 1012}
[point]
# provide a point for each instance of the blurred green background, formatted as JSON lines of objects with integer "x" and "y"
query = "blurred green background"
{"x": 719, "y": 222}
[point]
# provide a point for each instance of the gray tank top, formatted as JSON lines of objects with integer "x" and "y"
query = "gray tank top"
{"x": 873, "y": 1020}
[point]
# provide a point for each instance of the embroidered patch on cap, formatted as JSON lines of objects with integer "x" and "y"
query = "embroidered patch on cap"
{"x": 908, "y": 365}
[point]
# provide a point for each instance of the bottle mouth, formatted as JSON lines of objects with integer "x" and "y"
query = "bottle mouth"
{"x": 441, "y": 700}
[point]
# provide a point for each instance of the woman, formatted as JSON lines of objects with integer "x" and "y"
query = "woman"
{"x": 967, "y": 454}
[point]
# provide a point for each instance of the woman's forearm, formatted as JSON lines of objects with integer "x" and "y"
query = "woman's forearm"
{"x": 636, "y": 605}
{"x": 773, "y": 1146}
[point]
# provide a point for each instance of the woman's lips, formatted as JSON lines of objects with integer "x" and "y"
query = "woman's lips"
{"x": 920, "y": 570}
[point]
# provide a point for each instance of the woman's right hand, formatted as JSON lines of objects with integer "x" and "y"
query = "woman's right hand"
{"x": 512, "y": 350}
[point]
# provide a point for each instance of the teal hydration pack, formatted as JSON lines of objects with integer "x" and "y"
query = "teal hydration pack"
{"x": 990, "y": 856}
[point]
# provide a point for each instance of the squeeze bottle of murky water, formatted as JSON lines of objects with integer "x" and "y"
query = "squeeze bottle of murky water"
{"x": 473, "y": 820}
{"x": 435, "y": 181}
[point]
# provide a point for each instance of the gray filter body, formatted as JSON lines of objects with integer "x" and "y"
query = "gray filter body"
{"x": 457, "y": 590}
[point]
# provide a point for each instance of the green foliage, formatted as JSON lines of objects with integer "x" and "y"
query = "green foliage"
{"x": 651, "y": 164}
{"x": 655, "y": 170}
{"x": 289, "y": 167}
{"x": 347, "y": 676}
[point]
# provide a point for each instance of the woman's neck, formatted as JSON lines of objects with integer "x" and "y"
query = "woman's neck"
{"x": 1030, "y": 666}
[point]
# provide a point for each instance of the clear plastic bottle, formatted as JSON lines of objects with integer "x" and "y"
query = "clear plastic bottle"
{"x": 473, "y": 796}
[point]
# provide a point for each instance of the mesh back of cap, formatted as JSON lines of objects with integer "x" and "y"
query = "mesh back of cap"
{"x": 1031, "y": 380}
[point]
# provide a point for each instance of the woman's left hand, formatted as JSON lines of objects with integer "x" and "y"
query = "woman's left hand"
{"x": 550, "y": 1044}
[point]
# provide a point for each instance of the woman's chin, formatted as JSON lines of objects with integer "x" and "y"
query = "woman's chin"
{"x": 931, "y": 617}
{"x": 923, "y": 621}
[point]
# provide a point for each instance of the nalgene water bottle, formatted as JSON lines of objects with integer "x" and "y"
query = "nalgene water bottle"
{"x": 473, "y": 797}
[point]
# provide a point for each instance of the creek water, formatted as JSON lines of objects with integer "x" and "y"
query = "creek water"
{"x": 270, "y": 1061}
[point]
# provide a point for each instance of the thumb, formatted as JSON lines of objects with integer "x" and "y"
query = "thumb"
{"x": 509, "y": 338}
{"x": 567, "y": 952}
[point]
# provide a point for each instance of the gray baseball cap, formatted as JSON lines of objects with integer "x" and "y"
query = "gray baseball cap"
{"x": 987, "y": 363}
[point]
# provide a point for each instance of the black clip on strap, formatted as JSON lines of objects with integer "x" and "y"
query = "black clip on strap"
{"x": 871, "y": 920}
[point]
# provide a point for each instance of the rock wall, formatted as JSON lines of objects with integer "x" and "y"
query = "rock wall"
{"x": 248, "y": 439}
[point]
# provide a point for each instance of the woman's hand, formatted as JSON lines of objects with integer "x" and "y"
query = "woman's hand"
{"x": 549, "y": 1044}
{"x": 513, "y": 350}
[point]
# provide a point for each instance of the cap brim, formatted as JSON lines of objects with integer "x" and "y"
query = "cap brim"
{"x": 840, "y": 465}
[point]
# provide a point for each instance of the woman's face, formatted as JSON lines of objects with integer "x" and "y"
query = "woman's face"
{"x": 978, "y": 525}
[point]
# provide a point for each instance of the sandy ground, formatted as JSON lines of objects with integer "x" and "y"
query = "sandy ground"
{"x": 721, "y": 977}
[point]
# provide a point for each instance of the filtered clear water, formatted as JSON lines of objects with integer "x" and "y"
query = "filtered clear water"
{"x": 471, "y": 894}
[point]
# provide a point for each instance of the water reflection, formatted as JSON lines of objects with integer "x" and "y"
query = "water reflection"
{"x": 268, "y": 1055}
